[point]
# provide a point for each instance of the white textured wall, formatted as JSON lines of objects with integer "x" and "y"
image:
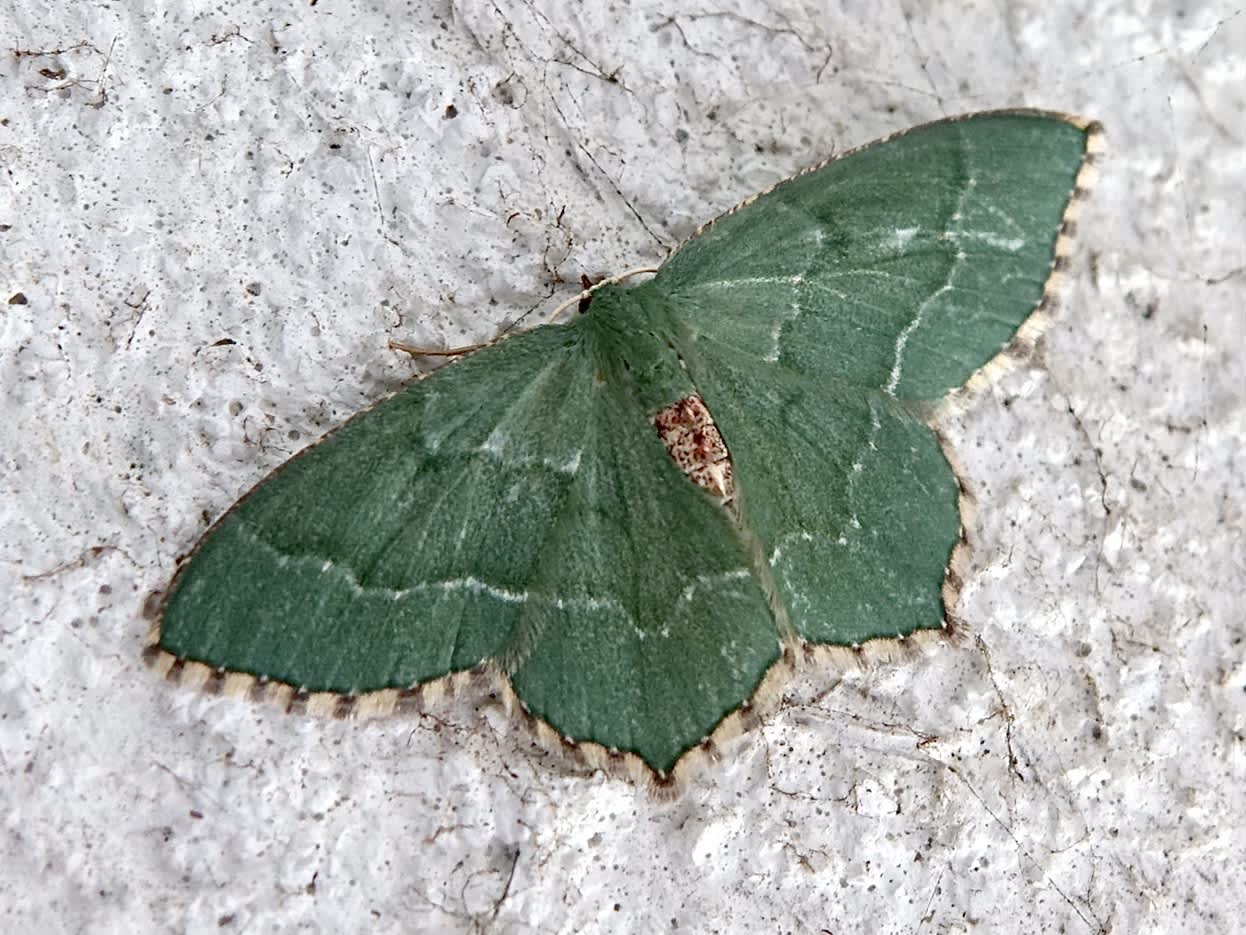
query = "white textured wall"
{"x": 285, "y": 178}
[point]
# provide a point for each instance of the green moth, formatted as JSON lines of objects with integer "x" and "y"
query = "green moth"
{"x": 637, "y": 522}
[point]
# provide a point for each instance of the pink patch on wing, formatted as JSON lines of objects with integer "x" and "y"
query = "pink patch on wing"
{"x": 688, "y": 431}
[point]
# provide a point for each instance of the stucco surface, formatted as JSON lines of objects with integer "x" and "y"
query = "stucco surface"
{"x": 216, "y": 218}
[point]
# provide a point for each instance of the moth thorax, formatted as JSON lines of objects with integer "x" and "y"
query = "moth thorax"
{"x": 688, "y": 431}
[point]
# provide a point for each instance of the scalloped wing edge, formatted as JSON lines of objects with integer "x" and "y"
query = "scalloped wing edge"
{"x": 1021, "y": 347}
{"x": 586, "y": 754}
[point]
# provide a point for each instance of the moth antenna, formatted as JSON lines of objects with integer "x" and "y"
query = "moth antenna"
{"x": 435, "y": 352}
{"x": 581, "y": 296}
